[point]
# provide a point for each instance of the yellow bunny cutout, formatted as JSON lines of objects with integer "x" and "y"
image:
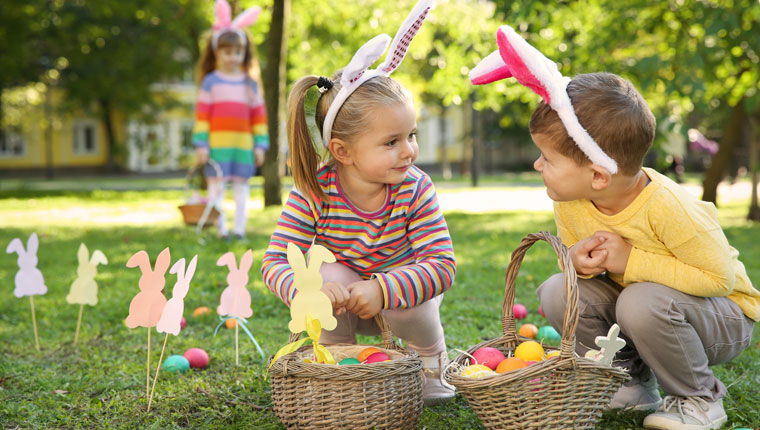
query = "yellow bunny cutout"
{"x": 307, "y": 280}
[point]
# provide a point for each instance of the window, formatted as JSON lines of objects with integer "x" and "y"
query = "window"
{"x": 12, "y": 144}
{"x": 85, "y": 137}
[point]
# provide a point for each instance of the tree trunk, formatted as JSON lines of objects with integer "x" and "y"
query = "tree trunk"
{"x": 105, "y": 109}
{"x": 475, "y": 130}
{"x": 274, "y": 79}
{"x": 732, "y": 134}
{"x": 754, "y": 148}
{"x": 445, "y": 163}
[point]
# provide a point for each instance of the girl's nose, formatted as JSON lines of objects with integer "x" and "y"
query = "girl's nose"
{"x": 538, "y": 165}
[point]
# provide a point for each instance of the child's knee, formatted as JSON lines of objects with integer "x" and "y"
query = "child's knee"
{"x": 338, "y": 272}
{"x": 640, "y": 306}
{"x": 551, "y": 294}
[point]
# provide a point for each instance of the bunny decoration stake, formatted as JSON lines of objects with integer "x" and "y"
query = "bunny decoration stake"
{"x": 171, "y": 316}
{"x": 29, "y": 280}
{"x": 147, "y": 306}
{"x": 309, "y": 299}
{"x": 84, "y": 290}
{"x": 609, "y": 345}
{"x": 236, "y": 300}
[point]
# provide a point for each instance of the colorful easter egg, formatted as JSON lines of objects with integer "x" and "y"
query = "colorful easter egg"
{"x": 477, "y": 371}
{"x": 488, "y": 356}
{"x": 541, "y": 312}
{"x": 530, "y": 351}
{"x": 548, "y": 333}
{"x": 528, "y": 330}
{"x": 176, "y": 363}
{"x": 551, "y": 354}
{"x": 511, "y": 363}
{"x": 200, "y": 311}
{"x": 197, "y": 358}
{"x": 366, "y": 352}
{"x": 520, "y": 311}
{"x": 377, "y": 357}
{"x": 349, "y": 360}
{"x": 230, "y": 323}
{"x": 182, "y": 323}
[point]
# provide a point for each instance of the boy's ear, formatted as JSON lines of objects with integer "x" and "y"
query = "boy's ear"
{"x": 601, "y": 177}
{"x": 340, "y": 151}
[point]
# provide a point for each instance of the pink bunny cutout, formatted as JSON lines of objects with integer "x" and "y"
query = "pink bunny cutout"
{"x": 356, "y": 72}
{"x": 236, "y": 300}
{"x": 171, "y": 317}
{"x": 29, "y": 279}
{"x": 517, "y": 58}
{"x": 223, "y": 20}
{"x": 146, "y": 307}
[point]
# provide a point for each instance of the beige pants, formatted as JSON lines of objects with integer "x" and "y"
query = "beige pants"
{"x": 677, "y": 335}
{"x": 419, "y": 326}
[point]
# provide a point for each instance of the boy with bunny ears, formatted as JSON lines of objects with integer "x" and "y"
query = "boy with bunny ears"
{"x": 649, "y": 256}
{"x": 370, "y": 206}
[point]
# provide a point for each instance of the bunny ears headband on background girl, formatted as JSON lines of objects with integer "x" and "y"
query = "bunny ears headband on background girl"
{"x": 517, "y": 58}
{"x": 223, "y": 23}
{"x": 356, "y": 72}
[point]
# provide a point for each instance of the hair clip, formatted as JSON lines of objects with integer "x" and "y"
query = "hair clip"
{"x": 517, "y": 58}
{"x": 324, "y": 84}
{"x": 222, "y": 23}
{"x": 356, "y": 72}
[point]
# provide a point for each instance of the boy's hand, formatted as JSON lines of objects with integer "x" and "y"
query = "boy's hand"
{"x": 338, "y": 295}
{"x": 202, "y": 153}
{"x": 588, "y": 258}
{"x": 259, "y": 154}
{"x": 366, "y": 299}
{"x": 618, "y": 251}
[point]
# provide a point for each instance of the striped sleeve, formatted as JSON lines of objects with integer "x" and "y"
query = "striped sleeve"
{"x": 434, "y": 268}
{"x": 296, "y": 224}
{"x": 259, "y": 120}
{"x": 202, "y": 111}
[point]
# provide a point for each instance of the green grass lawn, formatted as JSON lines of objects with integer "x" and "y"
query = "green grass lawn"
{"x": 100, "y": 383}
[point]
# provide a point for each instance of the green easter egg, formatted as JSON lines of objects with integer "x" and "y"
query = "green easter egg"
{"x": 349, "y": 360}
{"x": 548, "y": 332}
{"x": 176, "y": 363}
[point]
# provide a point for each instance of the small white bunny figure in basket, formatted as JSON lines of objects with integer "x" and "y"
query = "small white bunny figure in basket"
{"x": 309, "y": 298}
{"x": 84, "y": 290}
{"x": 610, "y": 344}
{"x": 236, "y": 300}
{"x": 171, "y": 317}
{"x": 146, "y": 307}
{"x": 29, "y": 279}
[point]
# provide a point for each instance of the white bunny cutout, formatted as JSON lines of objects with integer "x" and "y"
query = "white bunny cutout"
{"x": 356, "y": 72}
{"x": 517, "y": 58}
{"x": 307, "y": 280}
{"x": 223, "y": 20}
{"x": 29, "y": 279}
{"x": 171, "y": 316}
{"x": 236, "y": 300}
{"x": 84, "y": 290}
{"x": 609, "y": 345}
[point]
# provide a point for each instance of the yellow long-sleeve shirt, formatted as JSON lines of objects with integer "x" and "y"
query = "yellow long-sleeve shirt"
{"x": 677, "y": 241}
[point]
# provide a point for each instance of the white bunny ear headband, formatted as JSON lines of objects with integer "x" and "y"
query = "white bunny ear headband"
{"x": 356, "y": 72}
{"x": 224, "y": 22}
{"x": 517, "y": 58}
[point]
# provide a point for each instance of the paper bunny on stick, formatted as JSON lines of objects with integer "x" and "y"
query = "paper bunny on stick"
{"x": 29, "y": 279}
{"x": 223, "y": 20}
{"x": 307, "y": 280}
{"x": 517, "y": 58}
{"x": 356, "y": 72}
{"x": 609, "y": 345}
{"x": 171, "y": 317}
{"x": 236, "y": 300}
{"x": 146, "y": 307}
{"x": 84, "y": 290}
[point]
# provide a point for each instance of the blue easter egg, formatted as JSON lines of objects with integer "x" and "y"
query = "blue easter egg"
{"x": 548, "y": 333}
{"x": 176, "y": 363}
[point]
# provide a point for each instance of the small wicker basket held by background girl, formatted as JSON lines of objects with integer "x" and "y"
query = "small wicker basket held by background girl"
{"x": 564, "y": 392}
{"x": 384, "y": 395}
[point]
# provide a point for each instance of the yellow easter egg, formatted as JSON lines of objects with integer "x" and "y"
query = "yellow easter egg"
{"x": 530, "y": 351}
{"x": 552, "y": 354}
{"x": 477, "y": 371}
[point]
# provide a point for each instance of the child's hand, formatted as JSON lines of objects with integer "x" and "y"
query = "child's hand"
{"x": 259, "y": 154}
{"x": 202, "y": 153}
{"x": 618, "y": 251}
{"x": 588, "y": 258}
{"x": 338, "y": 295}
{"x": 366, "y": 299}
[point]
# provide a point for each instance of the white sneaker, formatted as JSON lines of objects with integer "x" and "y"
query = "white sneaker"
{"x": 435, "y": 390}
{"x": 687, "y": 413}
{"x": 641, "y": 396}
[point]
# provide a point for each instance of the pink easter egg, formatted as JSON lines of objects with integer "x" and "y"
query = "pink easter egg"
{"x": 541, "y": 312}
{"x": 182, "y": 323}
{"x": 488, "y": 356}
{"x": 197, "y": 357}
{"x": 377, "y": 357}
{"x": 520, "y": 311}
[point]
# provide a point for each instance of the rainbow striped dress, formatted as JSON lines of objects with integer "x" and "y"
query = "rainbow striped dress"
{"x": 230, "y": 119}
{"x": 405, "y": 245}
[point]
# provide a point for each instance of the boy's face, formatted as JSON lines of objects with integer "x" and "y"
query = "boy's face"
{"x": 564, "y": 179}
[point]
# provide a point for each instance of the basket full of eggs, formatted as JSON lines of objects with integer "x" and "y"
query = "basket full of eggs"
{"x": 368, "y": 387}
{"x": 513, "y": 382}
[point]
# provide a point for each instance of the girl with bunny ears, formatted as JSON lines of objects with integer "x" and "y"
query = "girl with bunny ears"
{"x": 369, "y": 205}
{"x": 231, "y": 120}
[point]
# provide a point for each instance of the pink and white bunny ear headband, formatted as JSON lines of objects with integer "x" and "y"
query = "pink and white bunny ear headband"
{"x": 517, "y": 58}
{"x": 224, "y": 22}
{"x": 356, "y": 72}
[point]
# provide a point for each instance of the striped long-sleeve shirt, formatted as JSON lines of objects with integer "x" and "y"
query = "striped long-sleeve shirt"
{"x": 405, "y": 244}
{"x": 230, "y": 119}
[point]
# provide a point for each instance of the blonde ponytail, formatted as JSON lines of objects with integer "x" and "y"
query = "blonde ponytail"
{"x": 304, "y": 159}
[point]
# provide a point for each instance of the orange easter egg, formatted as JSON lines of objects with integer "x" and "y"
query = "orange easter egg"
{"x": 530, "y": 351}
{"x": 200, "y": 311}
{"x": 366, "y": 352}
{"x": 528, "y": 330}
{"x": 231, "y": 323}
{"x": 511, "y": 363}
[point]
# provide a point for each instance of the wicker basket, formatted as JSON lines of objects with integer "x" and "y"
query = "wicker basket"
{"x": 385, "y": 395}
{"x": 193, "y": 212}
{"x": 561, "y": 392}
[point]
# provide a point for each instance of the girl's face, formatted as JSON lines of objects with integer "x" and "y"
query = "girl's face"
{"x": 229, "y": 58}
{"x": 388, "y": 148}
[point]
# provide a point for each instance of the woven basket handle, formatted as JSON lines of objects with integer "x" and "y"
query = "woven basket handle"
{"x": 385, "y": 331}
{"x": 567, "y": 346}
